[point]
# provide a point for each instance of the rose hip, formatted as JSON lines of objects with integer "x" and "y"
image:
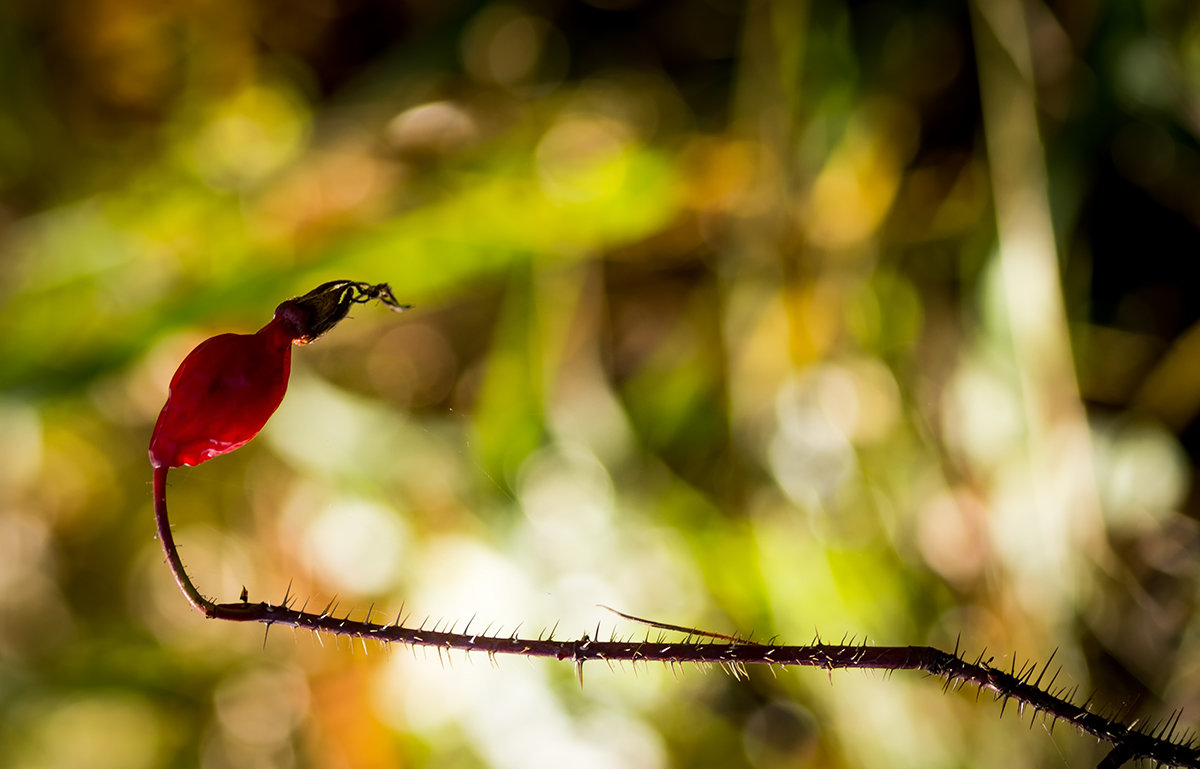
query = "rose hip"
{"x": 229, "y": 386}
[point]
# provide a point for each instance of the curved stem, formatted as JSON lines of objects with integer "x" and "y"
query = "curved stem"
{"x": 1161, "y": 743}
{"x": 202, "y": 604}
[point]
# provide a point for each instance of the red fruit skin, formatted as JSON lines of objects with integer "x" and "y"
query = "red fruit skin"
{"x": 222, "y": 394}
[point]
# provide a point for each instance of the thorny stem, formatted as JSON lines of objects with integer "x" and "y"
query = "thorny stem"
{"x": 1160, "y": 744}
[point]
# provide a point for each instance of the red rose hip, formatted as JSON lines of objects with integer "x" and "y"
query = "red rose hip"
{"x": 229, "y": 386}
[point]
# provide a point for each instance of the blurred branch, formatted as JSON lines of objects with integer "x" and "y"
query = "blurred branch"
{"x": 1059, "y": 465}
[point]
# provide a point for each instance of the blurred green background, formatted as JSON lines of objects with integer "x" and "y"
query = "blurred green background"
{"x": 852, "y": 317}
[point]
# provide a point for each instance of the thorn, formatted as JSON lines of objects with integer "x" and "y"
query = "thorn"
{"x": 1175, "y": 725}
{"x": 1054, "y": 677}
{"x": 1045, "y": 667}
